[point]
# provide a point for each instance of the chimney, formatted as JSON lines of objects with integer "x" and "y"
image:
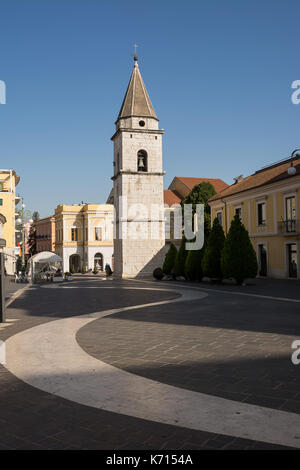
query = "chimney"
{"x": 238, "y": 179}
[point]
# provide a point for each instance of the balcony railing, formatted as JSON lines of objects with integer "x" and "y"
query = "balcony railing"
{"x": 39, "y": 237}
{"x": 290, "y": 226}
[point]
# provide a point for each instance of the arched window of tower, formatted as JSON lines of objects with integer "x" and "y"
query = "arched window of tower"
{"x": 142, "y": 160}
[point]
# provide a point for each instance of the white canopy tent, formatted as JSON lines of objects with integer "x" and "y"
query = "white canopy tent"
{"x": 43, "y": 264}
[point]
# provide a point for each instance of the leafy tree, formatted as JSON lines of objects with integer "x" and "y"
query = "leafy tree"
{"x": 170, "y": 259}
{"x": 179, "y": 265}
{"x": 35, "y": 216}
{"x": 200, "y": 194}
{"x": 238, "y": 258}
{"x": 211, "y": 262}
{"x": 31, "y": 240}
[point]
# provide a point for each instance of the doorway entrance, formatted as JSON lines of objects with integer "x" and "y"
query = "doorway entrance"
{"x": 262, "y": 255}
{"x": 74, "y": 262}
{"x": 98, "y": 261}
{"x": 292, "y": 260}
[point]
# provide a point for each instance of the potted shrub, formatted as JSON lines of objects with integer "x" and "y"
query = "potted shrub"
{"x": 158, "y": 274}
{"x": 95, "y": 270}
{"x": 68, "y": 276}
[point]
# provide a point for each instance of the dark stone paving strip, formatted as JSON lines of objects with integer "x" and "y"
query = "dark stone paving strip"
{"x": 286, "y": 288}
{"x": 32, "y": 419}
{"x": 39, "y": 305}
{"x": 214, "y": 347}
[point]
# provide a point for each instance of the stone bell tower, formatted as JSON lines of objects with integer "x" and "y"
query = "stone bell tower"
{"x": 138, "y": 184}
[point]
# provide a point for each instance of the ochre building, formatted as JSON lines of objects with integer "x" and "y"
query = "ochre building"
{"x": 84, "y": 236}
{"x": 8, "y": 201}
{"x": 268, "y": 203}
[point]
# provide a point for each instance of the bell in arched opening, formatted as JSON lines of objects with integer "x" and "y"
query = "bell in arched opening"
{"x": 142, "y": 160}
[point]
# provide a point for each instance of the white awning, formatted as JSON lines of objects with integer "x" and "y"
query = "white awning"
{"x": 45, "y": 257}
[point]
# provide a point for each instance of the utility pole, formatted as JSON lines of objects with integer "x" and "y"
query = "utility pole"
{"x": 23, "y": 236}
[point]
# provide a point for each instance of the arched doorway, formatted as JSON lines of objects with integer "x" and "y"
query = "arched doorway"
{"x": 98, "y": 261}
{"x": 74, "y": 262}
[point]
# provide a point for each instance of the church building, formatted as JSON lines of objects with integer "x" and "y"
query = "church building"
{"x": 138, "y": 184}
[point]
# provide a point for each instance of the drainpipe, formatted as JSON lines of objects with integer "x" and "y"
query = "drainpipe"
{"x": 225, "y": 210}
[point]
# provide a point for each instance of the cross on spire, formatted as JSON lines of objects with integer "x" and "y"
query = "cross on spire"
{"x": 135, "y": 58}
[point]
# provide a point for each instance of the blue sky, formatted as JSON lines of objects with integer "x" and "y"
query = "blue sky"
{"x": 218, "y": 73}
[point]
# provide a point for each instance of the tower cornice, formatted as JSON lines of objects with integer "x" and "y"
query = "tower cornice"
{"x": 137, "y": 131}
{"x": 141, "y": 173}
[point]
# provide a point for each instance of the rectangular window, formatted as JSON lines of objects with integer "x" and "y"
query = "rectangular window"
{"x": 74, "y": 234}
{"x": 261, "y": 213}
{"x": 219, "y": 217}
{"x": 1, "y": 202}
{"x": 290, "y": 206}
{"x": 98, "y": 233}
{"x": 238, "y": 211}
{"x": 290, "y": 210}
{"x": 1, "y": 186}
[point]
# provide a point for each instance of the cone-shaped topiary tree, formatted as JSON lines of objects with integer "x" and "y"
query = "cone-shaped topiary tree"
{"x": 179, "y": 265}
{"x": 211, "y": 261}
{"x": 193, "y": 269}
{"x": 238, "y": 258}
{"x": 169, "y": 260}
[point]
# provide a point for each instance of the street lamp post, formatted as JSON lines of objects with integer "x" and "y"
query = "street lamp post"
{"x": 2, "y": 287}
{"x": 21, "y": 221}
{"x": 23, "y": 237}
{"x": 292, "y": 170}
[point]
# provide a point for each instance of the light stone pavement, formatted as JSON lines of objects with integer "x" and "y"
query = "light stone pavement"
{"x": 129, "y": 333}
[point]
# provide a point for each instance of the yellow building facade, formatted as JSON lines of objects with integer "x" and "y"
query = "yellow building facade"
{"x": 84, "y": 236}
{"x": 8, "y": 200}
{"x": 268, "y": 203}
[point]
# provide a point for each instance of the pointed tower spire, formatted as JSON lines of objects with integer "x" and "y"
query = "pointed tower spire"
{"x": 136, "y": 101}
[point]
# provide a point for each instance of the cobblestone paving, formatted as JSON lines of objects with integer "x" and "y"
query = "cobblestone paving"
{"x": 11, "y": 287}
{"x": 223, "y": 346}
{"x": 32, "y": 419}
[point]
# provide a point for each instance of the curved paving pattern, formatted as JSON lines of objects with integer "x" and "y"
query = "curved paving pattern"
{"x": 48, "y": 357}
{"x": 213, "y": 346}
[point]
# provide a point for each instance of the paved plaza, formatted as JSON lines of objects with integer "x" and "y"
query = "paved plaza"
{"x": 110, "y": 364}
